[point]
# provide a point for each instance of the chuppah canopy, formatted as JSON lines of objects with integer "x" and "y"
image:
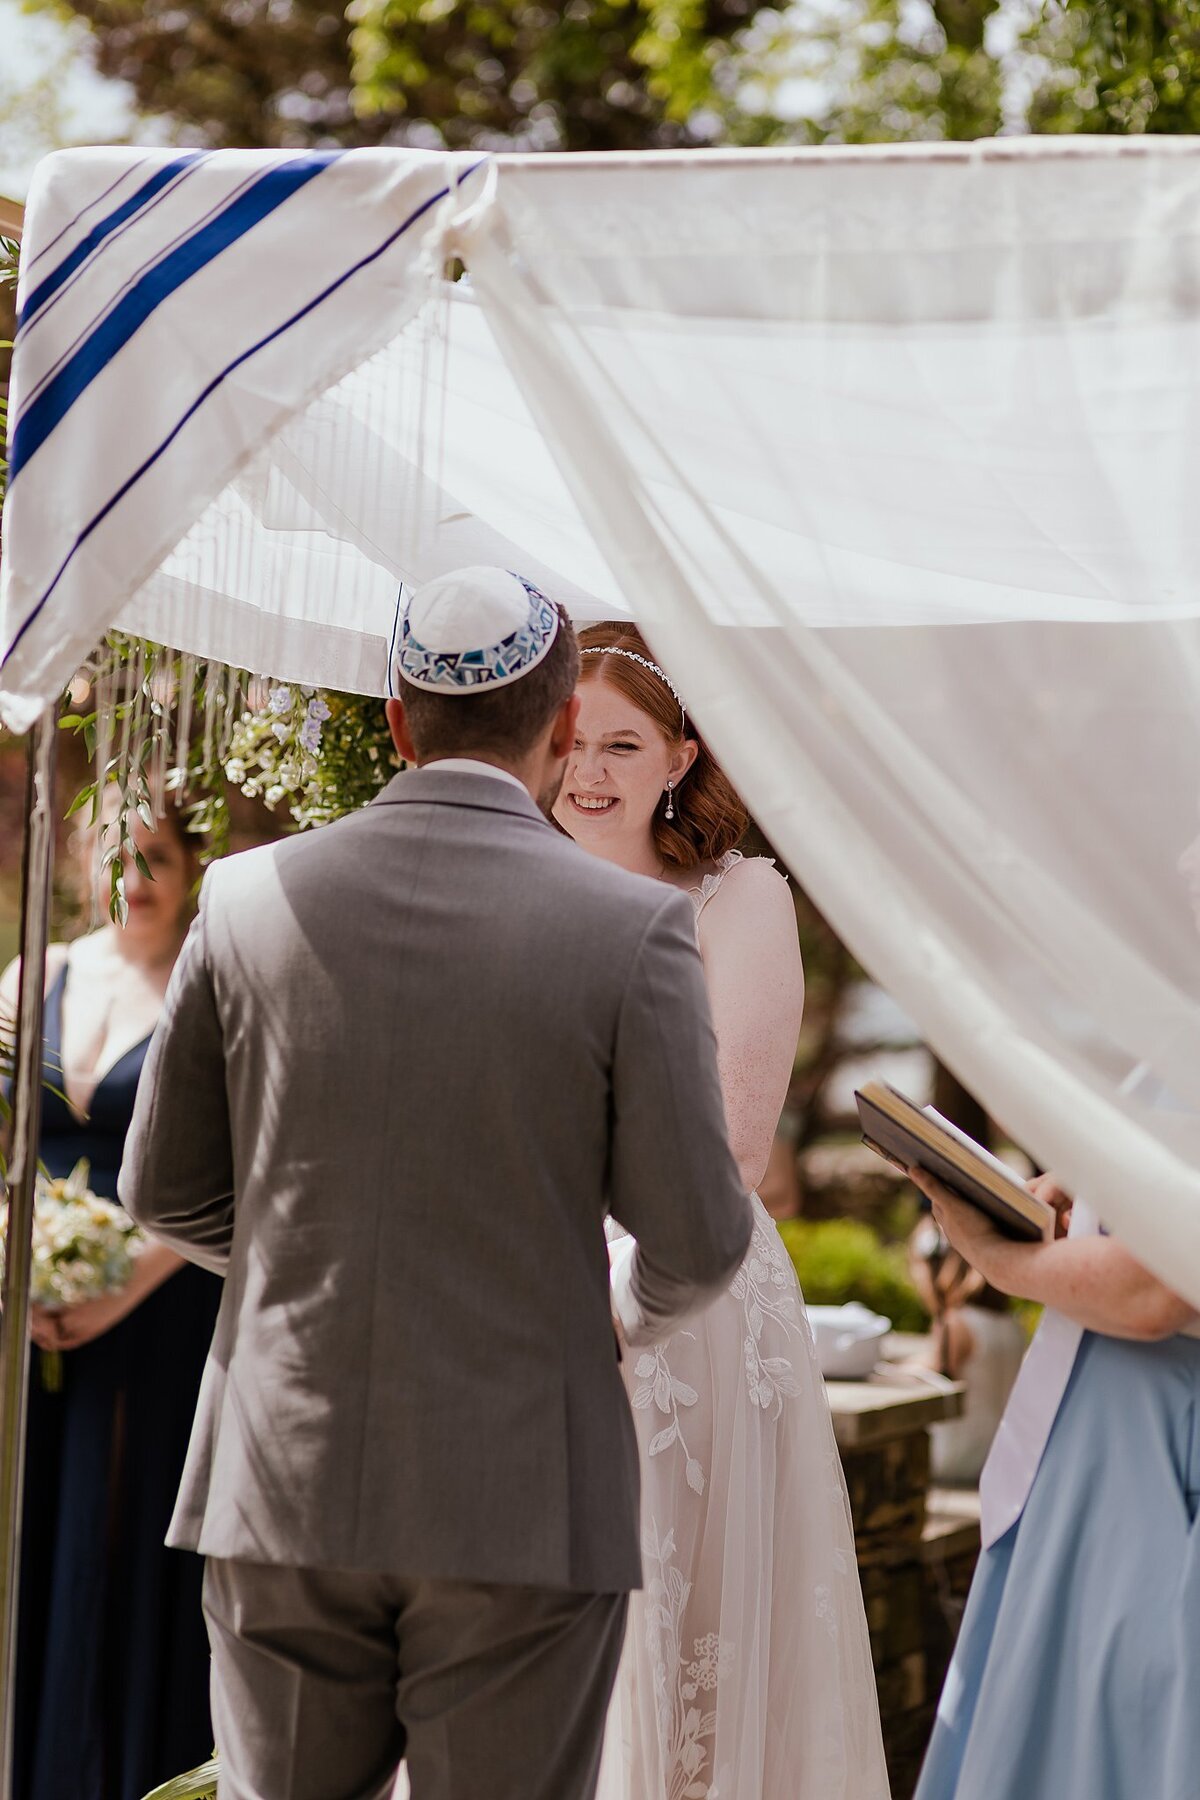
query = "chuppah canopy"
{"x": 889, "y": 451}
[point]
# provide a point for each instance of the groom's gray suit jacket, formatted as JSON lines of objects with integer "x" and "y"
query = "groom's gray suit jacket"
{"x": 406, "y": 1066}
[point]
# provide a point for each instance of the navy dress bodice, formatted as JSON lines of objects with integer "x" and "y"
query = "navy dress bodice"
{"x": 112, "y": 1663}
{"x": 101, "y": 1136}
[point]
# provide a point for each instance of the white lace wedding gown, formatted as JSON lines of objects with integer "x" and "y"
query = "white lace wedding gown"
{"x": 747, "y": 1672}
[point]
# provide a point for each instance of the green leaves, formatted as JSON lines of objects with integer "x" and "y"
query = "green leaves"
{"x": 1116, "y": 66}
{"x": 837, "y": 1260}
{"x": 319, "y": 754}
{"x": 89, "y": 793}
{"x": 135, "y": 732}
{"x": 198, "y": 1784}
{"x": 591, "y": 75}
{"x": 8, "y": 276}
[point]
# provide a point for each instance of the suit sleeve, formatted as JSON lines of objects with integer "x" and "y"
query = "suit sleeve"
{"x": 675, "y": 1184}
{"x": 176, "y": 1175}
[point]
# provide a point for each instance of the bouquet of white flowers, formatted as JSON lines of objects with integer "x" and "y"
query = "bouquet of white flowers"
{"x": 82, "y": 1247}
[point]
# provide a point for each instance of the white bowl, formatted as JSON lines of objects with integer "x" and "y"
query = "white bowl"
{"x": 848, "y": 1339}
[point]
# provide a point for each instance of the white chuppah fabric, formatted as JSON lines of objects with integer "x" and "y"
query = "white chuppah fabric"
{"x": 182, "y": 319}
{"x": 889, "y": 450}
{"x": 954, "y": 394}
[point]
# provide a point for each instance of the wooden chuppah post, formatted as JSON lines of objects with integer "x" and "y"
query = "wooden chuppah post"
{"x": 22, "y": 1173}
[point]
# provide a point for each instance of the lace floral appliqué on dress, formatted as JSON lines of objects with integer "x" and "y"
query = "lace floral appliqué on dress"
{"x": 747, "y": 1667}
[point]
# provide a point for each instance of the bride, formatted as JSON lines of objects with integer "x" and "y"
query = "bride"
{"x": 747, "y": 1669}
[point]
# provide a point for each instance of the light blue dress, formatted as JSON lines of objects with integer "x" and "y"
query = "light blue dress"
{"x": 1077, "y": 1670}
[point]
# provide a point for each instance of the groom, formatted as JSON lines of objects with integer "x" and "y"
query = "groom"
{"x": 406, "y": 1066}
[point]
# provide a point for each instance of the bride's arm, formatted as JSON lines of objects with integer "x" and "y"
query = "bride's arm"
{"x": 755, "y": 982}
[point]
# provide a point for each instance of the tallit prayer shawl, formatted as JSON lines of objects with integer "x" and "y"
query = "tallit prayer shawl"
{"x": 890, "y": 451}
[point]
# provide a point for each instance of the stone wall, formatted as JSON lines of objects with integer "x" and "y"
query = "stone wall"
{"x": 916, "y": 1555}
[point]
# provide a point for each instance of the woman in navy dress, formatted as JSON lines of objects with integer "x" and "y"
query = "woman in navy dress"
{"x": 1077, "y": 1670}
{"x": 112, "y": 1664}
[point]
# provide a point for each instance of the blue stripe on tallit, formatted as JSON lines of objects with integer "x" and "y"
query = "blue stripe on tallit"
{"x": 50, "y": 407}
{"x": 104, "y": 228}
{"x": 310, "y": 306}
{"x": 65, "y": 230}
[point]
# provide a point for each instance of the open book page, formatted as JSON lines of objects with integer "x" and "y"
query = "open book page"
{"x": 977, "y": 1149}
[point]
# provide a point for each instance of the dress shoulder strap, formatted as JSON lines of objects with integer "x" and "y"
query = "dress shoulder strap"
{"x": 702, "y": 894}
{"x": 52, "y": 1014}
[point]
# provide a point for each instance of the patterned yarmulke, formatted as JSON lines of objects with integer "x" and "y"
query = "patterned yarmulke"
{"x": 473, "y": 629}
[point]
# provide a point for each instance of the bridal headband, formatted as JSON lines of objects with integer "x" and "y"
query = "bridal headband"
{"x": 615, "y": 650}
{"x": 473, "y": 629}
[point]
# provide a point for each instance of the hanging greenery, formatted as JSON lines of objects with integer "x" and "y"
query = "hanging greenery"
{"x": 319, "y": 754}
{"x": 8, "y": 278}
{"x": 163, "y": 728}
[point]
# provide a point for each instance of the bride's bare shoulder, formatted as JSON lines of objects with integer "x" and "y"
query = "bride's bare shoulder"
{"x": 750, "y": 903}
{"x": 752, "y": 883}
{"x": 750, "y": 941}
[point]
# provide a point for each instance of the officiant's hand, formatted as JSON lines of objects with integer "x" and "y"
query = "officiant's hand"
{"x": 1049, "y": 1189}
{"x": 969, "y": 1230}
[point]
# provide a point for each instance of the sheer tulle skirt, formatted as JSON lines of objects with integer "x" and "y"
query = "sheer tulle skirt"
{"x": 747, "y": 1667}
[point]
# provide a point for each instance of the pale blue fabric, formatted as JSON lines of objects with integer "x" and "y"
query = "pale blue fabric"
{"x": 1077, "y": 1671}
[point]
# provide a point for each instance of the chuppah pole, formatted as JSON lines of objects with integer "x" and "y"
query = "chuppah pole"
{"x": 22, "y": 1172}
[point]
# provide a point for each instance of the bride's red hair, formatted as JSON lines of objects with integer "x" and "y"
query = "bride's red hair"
{"x": 709, "y": 816}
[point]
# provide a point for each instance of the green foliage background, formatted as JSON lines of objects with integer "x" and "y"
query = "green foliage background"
{"x": 635, "y": 74}
{"x": 839, "y": 1260}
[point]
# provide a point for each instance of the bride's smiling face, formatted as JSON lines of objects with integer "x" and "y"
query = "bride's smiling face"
{"x": 617, "y": 771}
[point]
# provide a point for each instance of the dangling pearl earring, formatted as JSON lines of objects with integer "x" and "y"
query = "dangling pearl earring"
{"x": 670, "y": 812}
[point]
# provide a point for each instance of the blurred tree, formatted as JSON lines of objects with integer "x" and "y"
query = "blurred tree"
{"x": 872, "y": 71}
{"x": 593, "y": 74}
{"x": 631, "y": 74}
{"x": 259, "y": 73}
{"x": 877, "y": 71}
{"x": 35, "y": 96}
{"x": 590, "y": 75}
{"x": 1117, "y": 66}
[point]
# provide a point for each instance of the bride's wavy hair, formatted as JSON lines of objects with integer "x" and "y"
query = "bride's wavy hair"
{"x": 709, "y": 816}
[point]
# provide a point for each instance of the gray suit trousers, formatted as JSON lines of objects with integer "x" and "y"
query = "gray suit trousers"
{"x": 322, "y": 1681}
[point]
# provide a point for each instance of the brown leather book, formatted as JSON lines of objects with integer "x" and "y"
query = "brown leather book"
{"x": 912, "y": 1136}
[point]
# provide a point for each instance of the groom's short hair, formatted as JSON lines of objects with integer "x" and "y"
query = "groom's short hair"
{"x": 506, "y": 721}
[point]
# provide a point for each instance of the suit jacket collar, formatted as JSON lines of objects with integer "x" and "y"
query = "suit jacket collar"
{"x": 427, "y": 787}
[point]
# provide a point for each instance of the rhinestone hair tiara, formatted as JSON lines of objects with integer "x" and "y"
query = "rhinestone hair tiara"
{"x": 615, "y": 650}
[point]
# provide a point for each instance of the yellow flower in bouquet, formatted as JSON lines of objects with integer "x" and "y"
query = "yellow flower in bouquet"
{"x": 83, "y": 1246}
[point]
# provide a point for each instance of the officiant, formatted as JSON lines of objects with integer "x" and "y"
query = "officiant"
{"x": 1078, "y": 1662}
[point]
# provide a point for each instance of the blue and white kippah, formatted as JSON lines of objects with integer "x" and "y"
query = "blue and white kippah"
{"x": 473, "y": 629}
